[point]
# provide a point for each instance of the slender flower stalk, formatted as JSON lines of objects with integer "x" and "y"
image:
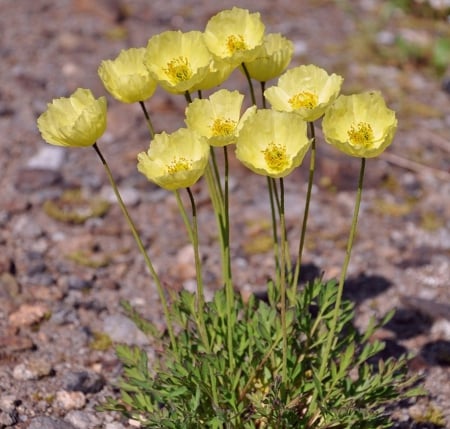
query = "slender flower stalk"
{"x": 250, "y": 84}
{"x": 229, "y": 292}
{"x": 141, "y": 247}
{"x": 192, "y": 229}
{"x": 312, "y": 162}
{"x": 283, "y": 257}
{"x": 220, "y": 201}
{"x": 147, "y": 119}
{"x": 337, "y": 308}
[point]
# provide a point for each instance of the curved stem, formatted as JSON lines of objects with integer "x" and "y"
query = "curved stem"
{"x": 249, "y": 80}
{"x": 270, "y": 186}
{"x": 141, "y": 247}
{"x": 192, "y": 230}
{"x": 283, "y": 281}
{"x": 215, "y": 170}
{"x": 337, "y": 307}
{"x": 263, "y": 87}
{"x": 148, "y": 120}
{"x": 312, "y": 163}
{"x": 229, "y": 292}
{"x": 188, "y": 97}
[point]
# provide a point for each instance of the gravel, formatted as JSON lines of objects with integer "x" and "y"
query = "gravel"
{"x": 61, "y": 284}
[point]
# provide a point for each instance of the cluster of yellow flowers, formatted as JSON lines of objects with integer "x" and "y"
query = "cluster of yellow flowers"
{"x": 270, "y": 142}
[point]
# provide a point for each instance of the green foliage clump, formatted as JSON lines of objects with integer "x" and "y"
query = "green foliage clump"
{"x": 197, "y": 387}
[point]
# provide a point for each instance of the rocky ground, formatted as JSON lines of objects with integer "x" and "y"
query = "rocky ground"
{"x": 61, "y": 281}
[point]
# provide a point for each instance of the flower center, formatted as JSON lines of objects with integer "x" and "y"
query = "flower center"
{"x": 304, "y": 99}
{"x": 179, "y": 164}
{"x": 178, "y": 70}
{"x": 361, "y": 134}
{"x": 276, "y": 157}
{"x": 236, "y": 43}
{"x": 223, "y": 127}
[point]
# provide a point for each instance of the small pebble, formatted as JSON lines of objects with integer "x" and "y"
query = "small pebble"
{"x": 82, "y": 419}
{"x": 8, "y": 412}
{"x": 70, "y": 400}
{"x": 48, "y": 158}
{"x": 122, "y": 330}
{"x": 44, "y": 422}
{"x": 28, "y": 314}
{"x": 32, "y": 370}
{"x": 130, "y": 196}
{"x": 84, "y": 381}
{"x": 114, "y": 425}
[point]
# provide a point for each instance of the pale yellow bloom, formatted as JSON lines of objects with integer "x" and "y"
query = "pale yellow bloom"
{"x": 219, "y": 72}
{"x": 235, "y": 35}
{"x": 360, "y": 125}
{"x": 76, "y": 121}
{"x": 217, "y": 118}
{"x": 178, "y": 61}
{"x": 274, "y": 58}
{"x": 175, "y": 160}
{"x": 306, "y": 90}
{"x": 126, "y": 78}
{"x": 272, "y": 143}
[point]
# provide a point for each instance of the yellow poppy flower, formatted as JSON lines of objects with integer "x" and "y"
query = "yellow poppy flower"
{"x": 126, "y": 78}
{"x": 273, "y": 59}
{"x": 178, "y": 61}
{"x": 272, "y": 143}
{"x": 217, "y": 118}
{"x": 235, "y": 35}
{"x": 76, "y": 121}
{"x": 360, "y": 125}
{"x": 175, "y": 160}
{"x": 219, "y": 72}
{"x": 306, "y": 90}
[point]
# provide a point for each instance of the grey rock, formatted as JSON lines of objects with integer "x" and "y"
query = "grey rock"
{"x": 84, "y": 381}
{"x": 78, "y": 283}
{"x": 44, "y": 422}
{"x": 82, "y": 419}
{"x": 122, "y": 330}
{"x": 8, "y": 412}
{"x": 32, "y": 370}
{"x": 48, "y": 158}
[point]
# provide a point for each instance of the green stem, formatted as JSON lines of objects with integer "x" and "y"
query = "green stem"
{"x": 227, "y": 274}
{"x": 263, "y": 87}
{"x": 192, "y": 230}
{"x": 215, "y": 170}
{"x": 188, "y": 97}
{"x": 270, "y": 186}
{"x": 331, "y": 334}
{"x": 312, "y": 163}
{"x": 250, "y": 84}
{"x": 147, "y": 119}
{"x": 141, "y": 248}
{"x": 283, "y": 281}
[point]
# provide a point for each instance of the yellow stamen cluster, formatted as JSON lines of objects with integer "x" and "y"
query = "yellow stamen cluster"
{"x": 178, "y": 70}
{"x": 179, "y": 164}
{"x": 361, "y": 134}
{"x": 304, "y": 99}
{"x": 236, "y": 43}
{"x": 223, "y": 127}
{"x": 276, "y": 157}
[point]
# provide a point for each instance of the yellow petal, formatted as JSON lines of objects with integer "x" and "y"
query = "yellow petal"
{"x": 75, "y": 121}
{"x": 175, "y": 160}
{"x": 360, "y": 125}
